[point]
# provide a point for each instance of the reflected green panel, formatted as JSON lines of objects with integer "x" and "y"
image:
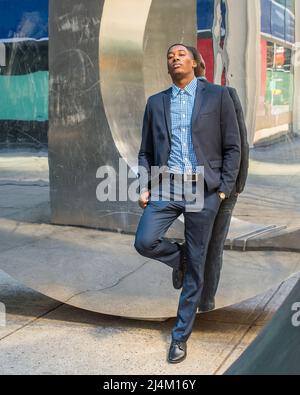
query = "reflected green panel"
{"x": 24, "y": 97}
{"x": 279, "y": 88}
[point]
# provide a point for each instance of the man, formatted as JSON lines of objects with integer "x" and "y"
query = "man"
{"x": 189, "y": 125}
{"x": 214, "y": 258}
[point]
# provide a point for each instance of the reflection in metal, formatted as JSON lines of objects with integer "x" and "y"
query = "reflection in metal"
{"x": 241, "y": 232}
{"x": 296, "y": 63}
{"x": 212, "y": 22}
{"x": 280, "y": 238}
{"x": 169, "y": 22}
{"x": 132, "y": 58}
{"x": 98, "y": 93}
{"x": 236, "y": 41}
{"x": 100, "y": 271}
{"x": 121, "y": 71}
{"x": 2, "y": 55}
{"x": 23, "y": 73}
{"x": 103, "y": 65}
{"x": 219, "y": 41}
{"x": 242, "y": 47}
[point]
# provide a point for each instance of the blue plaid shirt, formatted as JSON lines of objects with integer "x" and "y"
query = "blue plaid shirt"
{"x": 182, "y": 157}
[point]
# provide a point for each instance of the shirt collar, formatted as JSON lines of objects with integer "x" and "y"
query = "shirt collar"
{"x": 190, "y": 89}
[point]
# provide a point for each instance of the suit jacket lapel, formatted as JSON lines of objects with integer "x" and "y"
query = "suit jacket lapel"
{"x": 199, "y": 99}
{"x": 167, "y": 109}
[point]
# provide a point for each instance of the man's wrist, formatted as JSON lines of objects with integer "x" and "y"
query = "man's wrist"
{"x": 143, "y": 190}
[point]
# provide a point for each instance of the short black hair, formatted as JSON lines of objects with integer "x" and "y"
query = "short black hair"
{"x": 200, "y": 69}
{"x": 175, "y": 45}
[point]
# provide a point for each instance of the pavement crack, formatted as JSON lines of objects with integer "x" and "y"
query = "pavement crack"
{"x": 67, "y": 300}
{"x": 110, "y": 286}
{"x": 31, "y": 321}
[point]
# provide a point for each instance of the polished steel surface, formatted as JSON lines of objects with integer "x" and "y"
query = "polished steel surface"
{"x": 105, "y": 60}
{"x": 121, "y": 71}
{"x": 101, "y": 272}
{"x": 132, "y": 60}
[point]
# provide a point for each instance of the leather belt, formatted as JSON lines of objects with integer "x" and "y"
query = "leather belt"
{"x": 186, "y": 177}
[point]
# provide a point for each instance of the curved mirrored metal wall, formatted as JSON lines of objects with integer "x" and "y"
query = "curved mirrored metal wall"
{"x": 104, "y": 63}
{"x": 132, "y": 58}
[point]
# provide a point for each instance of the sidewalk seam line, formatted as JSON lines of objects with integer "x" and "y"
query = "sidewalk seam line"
{"x": 247, "y": 331}
{"x": 31, "y": 321}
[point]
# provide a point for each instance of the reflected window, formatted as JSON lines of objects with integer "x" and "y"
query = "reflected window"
{"x": 274, "y": 117}
{"x": 278, "y": 19}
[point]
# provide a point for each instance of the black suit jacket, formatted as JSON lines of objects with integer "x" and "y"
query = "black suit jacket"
{"x": 215, "y": 136}
{"x": 244, "y": 166}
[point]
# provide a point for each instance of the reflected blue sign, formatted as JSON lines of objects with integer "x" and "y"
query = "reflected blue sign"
{"x": 21, "y": 19}
{"x": 205, "y": 15}
{"x": 277, "y": 20}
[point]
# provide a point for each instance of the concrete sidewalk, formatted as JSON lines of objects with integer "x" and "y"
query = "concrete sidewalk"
{"x": 43, "y": 336}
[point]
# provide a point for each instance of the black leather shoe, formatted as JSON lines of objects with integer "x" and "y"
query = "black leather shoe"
{"x": 177, "y": 351}
{"x": 178, "y": 273}
{"x": 205, "y": 308}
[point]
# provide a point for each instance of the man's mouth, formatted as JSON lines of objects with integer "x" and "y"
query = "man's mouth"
{"x": 177, "y": 65}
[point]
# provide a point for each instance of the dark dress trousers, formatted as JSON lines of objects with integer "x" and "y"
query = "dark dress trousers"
{"x": 216, "y": 141}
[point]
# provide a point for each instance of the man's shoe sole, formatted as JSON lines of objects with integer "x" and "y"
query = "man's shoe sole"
{"x": 178, "y": 361}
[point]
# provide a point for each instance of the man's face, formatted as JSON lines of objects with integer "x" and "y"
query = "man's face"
{"x": 180, "y": 62}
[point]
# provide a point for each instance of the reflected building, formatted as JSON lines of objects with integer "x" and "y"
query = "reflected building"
{"x": 23, "y": 73}
{"x": 106, "y": 57}
{"x": 251, "y": 45}
{"x": 211, "y": 34}
{"x": 232, "y": 37}
{"x": 225, "y": 33}
{"x": 276, "y": 98}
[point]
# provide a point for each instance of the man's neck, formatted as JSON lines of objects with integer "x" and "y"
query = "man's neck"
{"x": 183, "y": 82}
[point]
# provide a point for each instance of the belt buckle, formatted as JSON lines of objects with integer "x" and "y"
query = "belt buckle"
{"x": 190, "y": 177}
